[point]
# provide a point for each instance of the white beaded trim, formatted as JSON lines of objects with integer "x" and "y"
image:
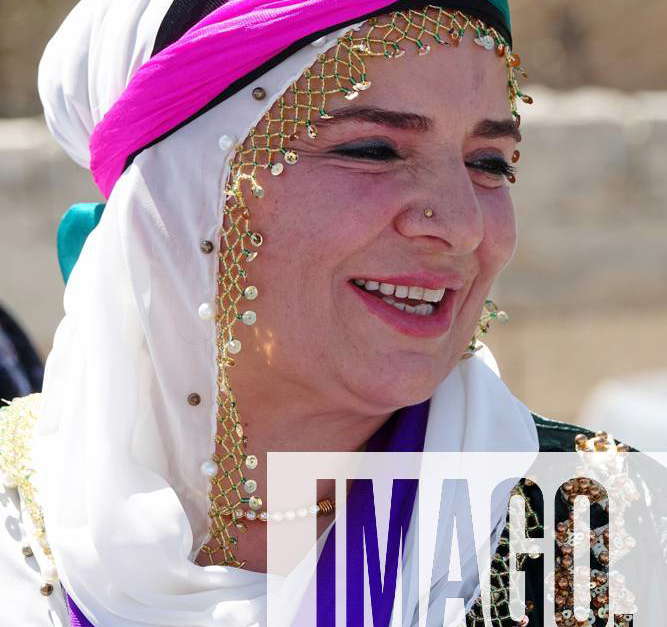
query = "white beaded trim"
{"x": 279, "y": 516}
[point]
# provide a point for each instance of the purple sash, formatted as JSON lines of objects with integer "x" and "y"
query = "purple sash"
{"x": 76, "y": 617}
{"x": 403, "y": 432}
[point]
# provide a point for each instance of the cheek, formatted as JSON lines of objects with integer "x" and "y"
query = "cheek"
{"x": 500, "y": 231}
{"x": 308, "y": 214}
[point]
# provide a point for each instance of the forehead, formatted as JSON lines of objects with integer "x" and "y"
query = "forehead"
{"x": 466, "y": 83}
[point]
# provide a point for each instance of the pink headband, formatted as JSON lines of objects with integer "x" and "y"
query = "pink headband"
{"x": 221, "y": 50}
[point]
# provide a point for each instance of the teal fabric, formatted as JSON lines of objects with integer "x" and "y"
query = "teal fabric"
{"x": 504, "y": 7}
{"x": 75, "y": 226}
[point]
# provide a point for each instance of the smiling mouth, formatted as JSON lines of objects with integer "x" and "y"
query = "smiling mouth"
{"x": 411, "y": 299}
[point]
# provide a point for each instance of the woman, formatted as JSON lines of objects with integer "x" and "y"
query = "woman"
{"x": 311, "y": 287}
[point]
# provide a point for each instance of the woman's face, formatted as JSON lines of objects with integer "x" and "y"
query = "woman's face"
{"x": 434, "y": 134}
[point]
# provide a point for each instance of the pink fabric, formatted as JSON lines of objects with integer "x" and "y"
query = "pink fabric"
{"x": 231, "y": 42}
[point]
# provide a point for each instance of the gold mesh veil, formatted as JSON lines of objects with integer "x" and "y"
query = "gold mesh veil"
{"x": 340, "y": 72}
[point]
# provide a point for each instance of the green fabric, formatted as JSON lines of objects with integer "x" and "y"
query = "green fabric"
{"x": 558, "y": 437}
{"x": 75, "y": 226}
{"x": 504, "y": 7}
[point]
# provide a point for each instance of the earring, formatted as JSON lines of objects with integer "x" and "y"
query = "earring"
{"x": 428, "y": 213}
{"x": 490, "y": 312}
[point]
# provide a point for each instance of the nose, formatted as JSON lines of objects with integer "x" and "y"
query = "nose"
{"x": 443, "y": 213}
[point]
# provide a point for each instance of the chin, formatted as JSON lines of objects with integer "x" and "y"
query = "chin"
{"x": 400, "y": 382}
{"x": 394, "y": 397}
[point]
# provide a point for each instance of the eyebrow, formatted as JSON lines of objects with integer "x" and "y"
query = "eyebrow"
{"x": 488, "y": 129}
{"x": 494, "y": 129}
{"x": 375, "y": 115}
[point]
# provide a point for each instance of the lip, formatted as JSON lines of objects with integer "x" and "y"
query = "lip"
{"x": 435, "y": 325}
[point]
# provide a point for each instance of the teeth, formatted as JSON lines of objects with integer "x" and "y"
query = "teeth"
{"x": 424, "y": 309}
{"x": 421, "y": 310}
{"x": 403, "y": 291}
{"x": 433, "y": 296}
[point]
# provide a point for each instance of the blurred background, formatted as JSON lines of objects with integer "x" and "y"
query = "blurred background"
{"x": 587, "y": 290}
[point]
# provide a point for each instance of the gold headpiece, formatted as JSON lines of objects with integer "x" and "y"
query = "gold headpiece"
{"x": 342, "y": 71}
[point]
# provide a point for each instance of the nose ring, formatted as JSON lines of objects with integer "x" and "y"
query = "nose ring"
{"x": 428, "y": 213}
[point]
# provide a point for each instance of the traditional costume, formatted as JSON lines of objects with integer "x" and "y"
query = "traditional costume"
{"x": 134, "y": 461}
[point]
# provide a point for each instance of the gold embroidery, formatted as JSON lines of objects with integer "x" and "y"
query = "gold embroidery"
{"x": 17, "y": 422}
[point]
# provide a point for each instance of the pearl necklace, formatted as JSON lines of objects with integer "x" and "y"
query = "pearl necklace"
{"x": 321, "y": 508}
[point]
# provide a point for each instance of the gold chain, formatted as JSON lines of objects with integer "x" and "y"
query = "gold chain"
{"x": 340, "y": 72}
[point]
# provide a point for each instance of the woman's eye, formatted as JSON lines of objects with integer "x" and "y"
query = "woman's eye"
{"x": 496, "y": 166}
{"x": 372, "y": 152}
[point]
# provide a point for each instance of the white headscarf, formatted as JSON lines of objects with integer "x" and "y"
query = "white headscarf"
{"x": 118, "y": 451}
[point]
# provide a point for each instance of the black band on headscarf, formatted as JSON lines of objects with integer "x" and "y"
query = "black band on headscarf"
{"x": 184, "y": 14}
{"x": 180, "y": 18}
